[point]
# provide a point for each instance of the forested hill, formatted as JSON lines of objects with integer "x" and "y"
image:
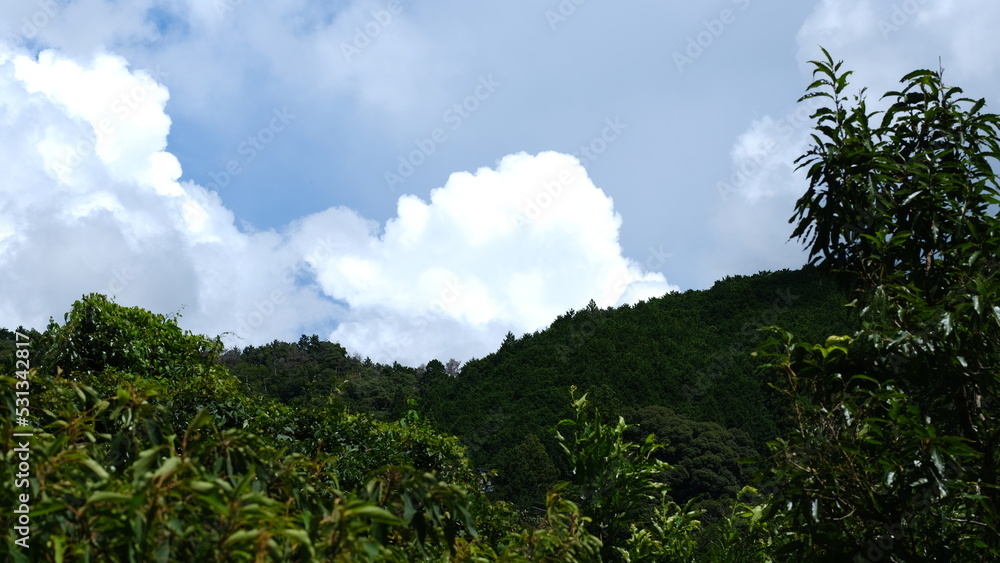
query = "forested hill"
{"x": 688, "y": 351}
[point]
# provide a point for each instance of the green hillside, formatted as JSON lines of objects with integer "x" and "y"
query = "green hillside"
{"x": 689, "y": 352}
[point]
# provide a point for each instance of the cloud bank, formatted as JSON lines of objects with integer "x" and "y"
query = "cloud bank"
{"x": 505, "y": 249}
{"x": 93, "y": 202}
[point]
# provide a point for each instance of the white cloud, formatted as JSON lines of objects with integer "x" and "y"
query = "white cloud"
{"x": 763, "y": 157}
{"x": 639, "y": 291}
{"x": 94, "y": 204}
{"x": 505, "y": 249}
{"x": 91, "y": 203}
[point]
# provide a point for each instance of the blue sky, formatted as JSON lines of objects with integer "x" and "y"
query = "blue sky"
{"x": 415, "y": 179}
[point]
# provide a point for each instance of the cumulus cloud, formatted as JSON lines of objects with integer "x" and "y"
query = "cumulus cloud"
{"x": 93, "y": 203}
{"x": 750, "y": 225}
{"x": 505, "y": 249}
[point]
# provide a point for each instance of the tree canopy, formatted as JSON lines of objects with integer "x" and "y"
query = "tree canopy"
{"x": 894, "y": 449}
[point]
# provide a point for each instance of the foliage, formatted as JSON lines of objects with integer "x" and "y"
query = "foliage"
{"x": 894, "y": 446}
{"x": 127, "y": 474}
{"x": 704, "y": 456}
{"x": 525, "y": 472}
{"x": 210, "y": 494}
{"x": 744, "y": 534}
{"x": 99, "y": 336}
{"x": 689, "y": 352}
{"x": 106, "y": 346}
{"x": 562, "y": 538}
{"x": 120, "y": 475}
{"x": 313, "y": 373}
{"x": 613, "y": 479}
{"x": 866, "y": 469}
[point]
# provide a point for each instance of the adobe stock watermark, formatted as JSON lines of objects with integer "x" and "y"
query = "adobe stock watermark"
{"x": 120, "y": 279}
{"x": 265, "y": 308}
{"x": 223, "y": 7}
{"x": 655, "y": 258}
{"x": 451, "y": 291}
{"x": 893, "y": 535}
{"x": 539, "y": 201}
{"x": 724, "y": 358}
{"x": 373, "y": 28}
{"x": 554, "y": 187}
{"x": 698, "y": 43}
{"x": 795, "y": 120}
{"x": 582, "y": 332}
{"x": 900, "y": 15}
{"x": 455, "y": 116}
{"x": 251, "y": 148}
{"x": 47, "y": 11}
{"x": 19, "y": 458}
{"x": 122, "y": 106}
{"x": 325, "y": 248}
{"x": 262, "y": 311}
{"x": 129, "y": 100}
{"x": 562, "y": 12}
{"x": 593, "y": 149}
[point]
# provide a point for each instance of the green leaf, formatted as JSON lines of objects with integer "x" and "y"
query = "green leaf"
{"x": 920, "y": 73}
{"x": 201, "y": 419}
{"x": 375, "y": 513}
{"x": 96, "y": 468}
{"x": 297, "y": 535}
{"x": 242, "y": 536}
{"x": 107, "y": 496}
{"x": 144, "y": 461}
{"x": 167, "y": 468}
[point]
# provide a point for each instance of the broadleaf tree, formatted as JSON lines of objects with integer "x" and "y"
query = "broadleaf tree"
{"x": 893, "y": 454}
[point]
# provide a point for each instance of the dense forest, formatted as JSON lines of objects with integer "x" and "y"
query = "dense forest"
{"x": 678, "y": 366}
{"x": 844, "y": 411}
